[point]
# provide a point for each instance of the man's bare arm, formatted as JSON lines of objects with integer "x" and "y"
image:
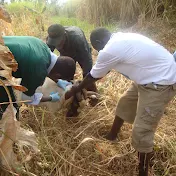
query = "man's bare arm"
{"x": 86, "y": 81}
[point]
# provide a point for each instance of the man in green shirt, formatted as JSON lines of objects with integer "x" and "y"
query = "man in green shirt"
{"x": 35, "y": 63}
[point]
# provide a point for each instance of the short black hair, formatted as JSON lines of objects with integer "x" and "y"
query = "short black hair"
{"x": 99, "y": 37}
{"x": 66, "y": 67}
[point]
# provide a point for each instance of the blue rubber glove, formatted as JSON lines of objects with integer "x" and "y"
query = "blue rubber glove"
{"x": 174, "y": 55}
{"x": 55, "y": 96}
{"x": 63, "y": 84}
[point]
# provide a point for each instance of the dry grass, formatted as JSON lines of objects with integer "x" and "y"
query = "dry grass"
{"x": 76, "y": 147}
{"x": 128, "y": 12}
{"x": 100, "y": 11}
{"x": 30, "y": 24}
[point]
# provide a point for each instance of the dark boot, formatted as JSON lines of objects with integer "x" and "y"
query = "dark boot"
{"x": 144, "y": 160}
{"x": 115, "y": 129}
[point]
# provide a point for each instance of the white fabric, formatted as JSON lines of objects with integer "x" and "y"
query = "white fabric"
{"x": 35, "y": 99}
{"x": 138, "y": 57}
{"x": 53, "y": 61}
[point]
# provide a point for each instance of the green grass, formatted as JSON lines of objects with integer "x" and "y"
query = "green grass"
{"x": 84, "y": 25}
{"x": 19, "y": 8}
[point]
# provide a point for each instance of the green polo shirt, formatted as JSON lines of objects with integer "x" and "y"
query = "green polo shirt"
{"x": 33, "y": 57}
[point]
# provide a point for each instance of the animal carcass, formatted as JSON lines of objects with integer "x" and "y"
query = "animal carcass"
{"x": 50, "y": 86}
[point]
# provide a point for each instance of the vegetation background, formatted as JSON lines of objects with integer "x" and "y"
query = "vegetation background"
{"x": 76, "y": 147}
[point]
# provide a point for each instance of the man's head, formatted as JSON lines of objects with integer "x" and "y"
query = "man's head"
{"x": 56, "y": 36}
{"x": 99, "y": 38}
{"x": 63, "y": 69}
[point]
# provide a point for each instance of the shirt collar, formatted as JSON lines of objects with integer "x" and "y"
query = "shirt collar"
{"x": 53, "y": 61}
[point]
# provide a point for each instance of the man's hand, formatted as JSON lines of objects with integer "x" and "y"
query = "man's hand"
{"x": 63, "y": 84}
{"x": 77, "y": 88}
{"x": 55, "y": 97}
{"x": 71, "y": 92}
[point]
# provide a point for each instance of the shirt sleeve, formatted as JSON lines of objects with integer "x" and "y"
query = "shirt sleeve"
{"x": 103, "y": 65}
{"x": 84, "y": 56}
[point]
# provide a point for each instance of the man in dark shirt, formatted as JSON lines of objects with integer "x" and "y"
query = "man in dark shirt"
{"x": 71, "y": 41}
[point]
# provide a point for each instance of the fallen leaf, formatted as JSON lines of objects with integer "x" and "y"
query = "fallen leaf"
{"x": 11, "y": 133}
{"x": 20, "y": 88}
{"x": 7, "y": 65}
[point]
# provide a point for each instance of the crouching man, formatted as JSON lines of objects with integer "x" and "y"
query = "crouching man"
{"x": 71, "y": 41}
{"x": 153, "y": 70}
{"x": 35, "y": 63}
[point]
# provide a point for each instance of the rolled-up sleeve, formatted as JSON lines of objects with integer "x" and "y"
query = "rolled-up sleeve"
{"x": 103, "y": 65}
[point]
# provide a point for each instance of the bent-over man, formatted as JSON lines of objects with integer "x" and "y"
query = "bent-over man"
{"x": 152, "y": 69}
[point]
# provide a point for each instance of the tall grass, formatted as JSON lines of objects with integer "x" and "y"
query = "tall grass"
{"x": 99, "y": 12}
{"x": 127, "y": 12}
{"x": 28, "y": 18}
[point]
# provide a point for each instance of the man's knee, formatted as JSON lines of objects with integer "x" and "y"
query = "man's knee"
{"x": 126, "y": 109}
{"x": 142, "y": 139}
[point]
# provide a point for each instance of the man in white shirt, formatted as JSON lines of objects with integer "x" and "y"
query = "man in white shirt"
{"x": 153, "y": 71}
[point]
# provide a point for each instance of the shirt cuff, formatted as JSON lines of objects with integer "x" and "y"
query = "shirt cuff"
{"x": 97, "y": 73}
{"x": 35, "y": 99}
{"x": 53, "y": 61}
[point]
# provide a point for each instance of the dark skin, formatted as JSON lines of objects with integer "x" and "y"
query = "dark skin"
{"x": 61, "y": 44}
{"x": 75, "y": 89}
{"x": 86, "y": 82}
{"x": 115, "y": 129}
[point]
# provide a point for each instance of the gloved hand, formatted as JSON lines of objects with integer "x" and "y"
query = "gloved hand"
{"x": 55, "y": 96}
{"x": 63, "y": 84}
